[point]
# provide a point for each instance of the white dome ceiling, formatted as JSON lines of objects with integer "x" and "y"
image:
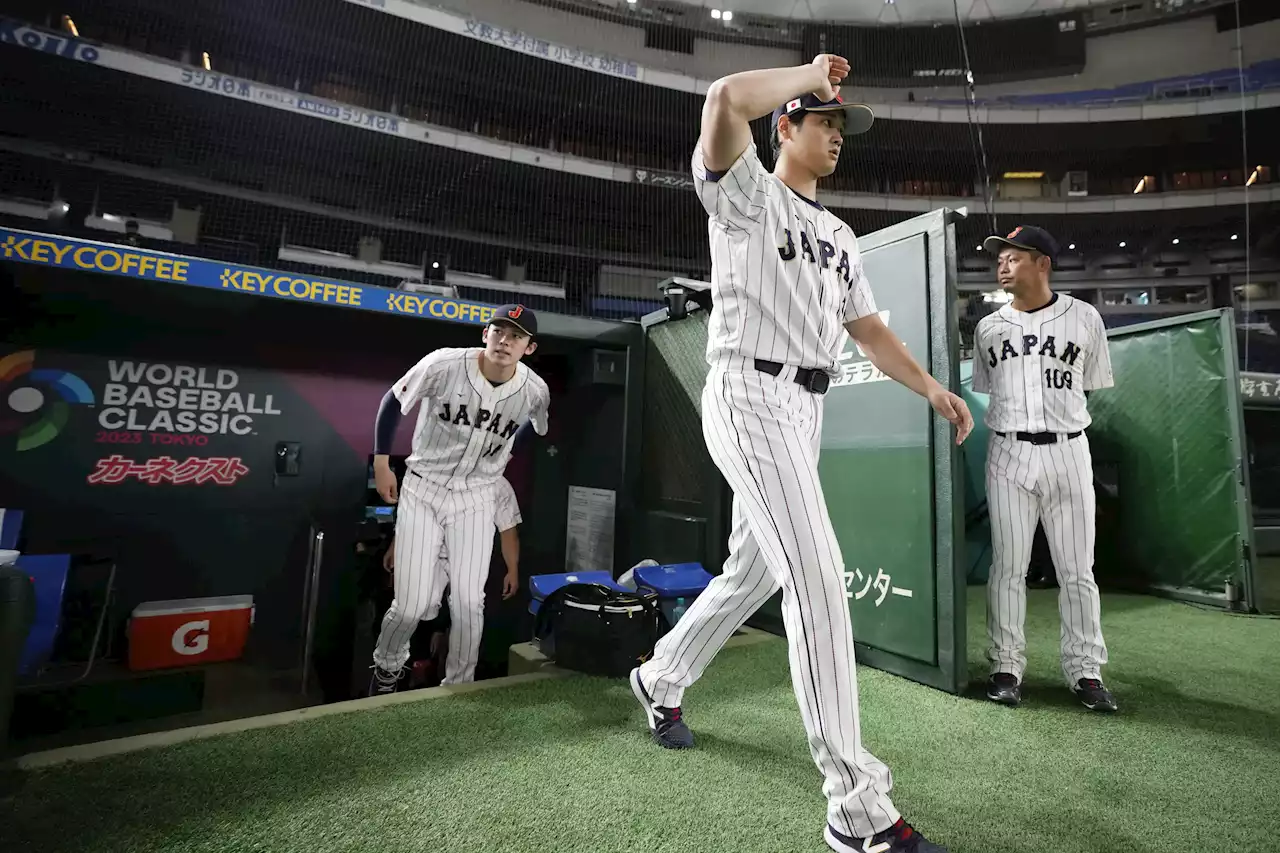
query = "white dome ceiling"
{"x": 892, "y": 12}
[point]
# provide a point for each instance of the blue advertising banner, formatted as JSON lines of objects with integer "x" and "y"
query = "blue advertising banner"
{"x": 51, "y": 250}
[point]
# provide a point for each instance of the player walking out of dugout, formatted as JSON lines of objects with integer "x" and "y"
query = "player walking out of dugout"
{"x": 1038, "y": 357}
{"x": 787, "y": 284}
{"x": 473, "y": 401}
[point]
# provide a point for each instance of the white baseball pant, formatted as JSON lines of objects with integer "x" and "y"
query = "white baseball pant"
{"x": 426, "y": 516}
{"x": 1052, "y": 483}
{"x": 764, "y": 433}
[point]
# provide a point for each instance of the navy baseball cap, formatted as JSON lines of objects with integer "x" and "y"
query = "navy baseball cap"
{"x": 857, "y": 117}
{"x": 516, "y": 315}
{"x": 1027, "y": 237}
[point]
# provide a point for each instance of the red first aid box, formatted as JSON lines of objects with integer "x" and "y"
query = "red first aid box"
{"x": 189, "y": 631}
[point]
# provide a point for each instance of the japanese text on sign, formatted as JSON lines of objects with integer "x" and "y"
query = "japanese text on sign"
{"x": 219, "y": 470}
{"x": 1260, "y": 386}
{"x": 856, "y": 589}
{"x": 516, "y": 40}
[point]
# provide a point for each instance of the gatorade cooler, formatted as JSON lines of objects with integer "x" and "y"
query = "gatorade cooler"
{"x": 677, "y": 585}
{"x": 189, "y": 631}
{"x": 543, "y": 585}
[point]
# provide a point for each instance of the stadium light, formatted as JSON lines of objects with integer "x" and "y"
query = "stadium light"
{"x": 435, "y": 265}
{"x": 204, "y": 58}
{"x": 1235, "y": 236}
{"x": 1176, "y": 241}
{"x": 715, "y": 13}
{"x": 70, "y": 26}
{"x": 728, "y": 15}
{"x": 1072, "y": 247}
{"x": 1123, "y": 244}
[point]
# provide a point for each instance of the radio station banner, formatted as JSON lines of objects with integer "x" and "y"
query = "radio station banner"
{"x": 29, "y": 247}
{"x": 226, "y": 86}
{"x": 510, "y": 39}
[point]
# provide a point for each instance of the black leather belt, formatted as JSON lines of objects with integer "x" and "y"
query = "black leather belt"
{"x": 809, "y": 378}
{"x": 1042, "y": 437}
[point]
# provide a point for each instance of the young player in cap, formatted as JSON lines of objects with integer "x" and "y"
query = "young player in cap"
{"x": 1038, "y": 357}
{"x": 473, "y": 401}
{"x": 788, "y": 287}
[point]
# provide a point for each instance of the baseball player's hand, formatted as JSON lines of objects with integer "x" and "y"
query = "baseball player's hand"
{"x": 951, "y": 407}
{"x": 836, "y": 68}
{"x": 510, "y": 584}
{"x": 385, "y": 481}
{"x": 389, "y": 558}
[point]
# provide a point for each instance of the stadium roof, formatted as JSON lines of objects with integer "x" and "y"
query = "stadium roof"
{"x": 893, "y": 11}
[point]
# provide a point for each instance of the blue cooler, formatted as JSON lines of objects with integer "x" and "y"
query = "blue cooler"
{"x": 676, "y": 584}
{"x": 543, "y": 585}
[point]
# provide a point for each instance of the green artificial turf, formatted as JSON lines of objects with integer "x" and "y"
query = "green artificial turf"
{"x": 1191, "y": 763}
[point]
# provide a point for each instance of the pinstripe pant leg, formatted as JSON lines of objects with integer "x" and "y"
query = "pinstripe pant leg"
{"x": 761, "y": 433}
{"x": 418, "y": 582}
{"x": 1069, "y": 525}
{"x": 1014, "y": 508}
{"x": 468, "y": 535}
{"x": 743, "y": 584}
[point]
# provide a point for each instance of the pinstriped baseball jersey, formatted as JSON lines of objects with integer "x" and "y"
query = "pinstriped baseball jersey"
{"x": 786, "y": 273}
{"x": 1036, "y": 365}
{"x": 506, "y": 512}
{"x": 462, "y": 439}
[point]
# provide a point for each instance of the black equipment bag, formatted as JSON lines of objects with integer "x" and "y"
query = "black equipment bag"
{"x": 597, "y": 630}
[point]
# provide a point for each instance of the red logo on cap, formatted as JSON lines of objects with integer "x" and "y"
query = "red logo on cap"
{"x": 1015, "y": 233}
{"x": 839, "y": 100}
{"x": 515, "y": 313}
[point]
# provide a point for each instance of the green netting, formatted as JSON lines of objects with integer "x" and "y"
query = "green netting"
{"x": 675, "y": 455}
{"x": 1172, "y": 423}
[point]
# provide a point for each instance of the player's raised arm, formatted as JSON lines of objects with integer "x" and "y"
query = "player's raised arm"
{"x": 738, "y": 99}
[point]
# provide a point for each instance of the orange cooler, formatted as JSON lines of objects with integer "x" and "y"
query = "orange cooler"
{"x": 189, "y": 631}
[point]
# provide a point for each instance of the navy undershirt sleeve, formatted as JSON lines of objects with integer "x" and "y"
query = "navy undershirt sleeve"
{"x": 384, "y": 428}
{"x": 524, "y": 434}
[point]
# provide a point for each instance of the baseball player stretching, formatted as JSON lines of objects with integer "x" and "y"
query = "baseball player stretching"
{"x": 1038, "y": 357}
{"x": 473, "y": 401}
{"x": 787, "y": 285}
{"x": 464, "y": 646}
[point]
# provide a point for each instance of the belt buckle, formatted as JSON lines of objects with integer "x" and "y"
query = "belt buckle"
{"x": 817, "y": 382}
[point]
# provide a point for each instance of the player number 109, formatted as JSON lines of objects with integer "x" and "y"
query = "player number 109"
{"x": 1055, "y": 378}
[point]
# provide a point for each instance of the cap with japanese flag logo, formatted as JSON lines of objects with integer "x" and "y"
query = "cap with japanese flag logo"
{"x": 516, "y": 315}
{"x": 858, "y": 118}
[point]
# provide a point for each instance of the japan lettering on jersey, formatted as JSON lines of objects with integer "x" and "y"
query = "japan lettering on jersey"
{"x": 786, "y": 273}
{"x": 1036, "y": 365}
{"x": 466, "y": 424}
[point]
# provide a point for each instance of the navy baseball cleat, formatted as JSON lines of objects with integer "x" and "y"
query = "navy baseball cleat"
{"x": 384, "y": 682}
{"x": 902, "y": 837}
{"x": 666, "y": 724}
{"x": 1004, "y": 687}
{"x": 1095, "y": 696}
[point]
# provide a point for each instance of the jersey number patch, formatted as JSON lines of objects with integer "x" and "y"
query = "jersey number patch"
{"x": 1055, "y": 378}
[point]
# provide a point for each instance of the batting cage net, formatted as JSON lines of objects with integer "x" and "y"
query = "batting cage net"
{"x": 388, "y": 141}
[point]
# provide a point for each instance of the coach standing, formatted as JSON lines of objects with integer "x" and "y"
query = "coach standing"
{"x": 1038, "y": 357}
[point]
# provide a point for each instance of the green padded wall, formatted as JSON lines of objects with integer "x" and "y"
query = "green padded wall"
{"x": 675, "y": 454}
{"x": 1174, "y": 424}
